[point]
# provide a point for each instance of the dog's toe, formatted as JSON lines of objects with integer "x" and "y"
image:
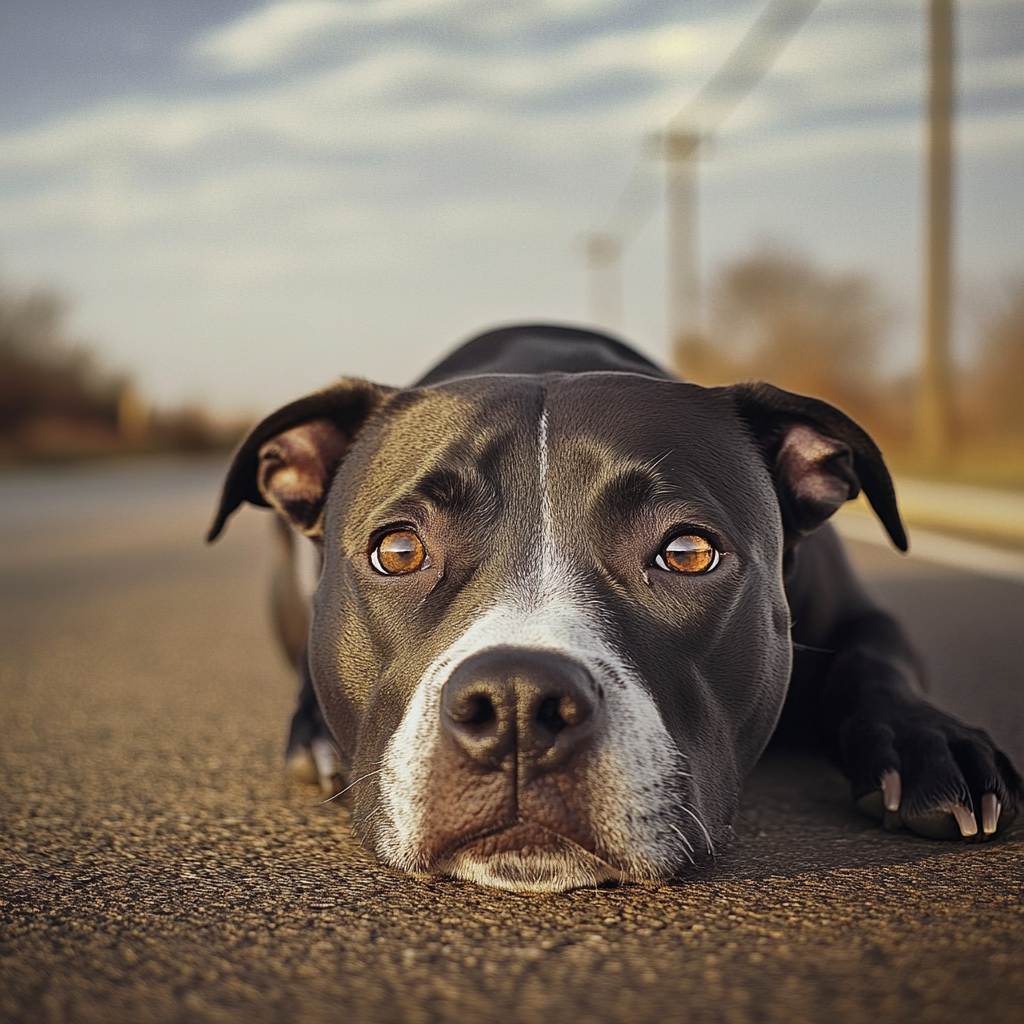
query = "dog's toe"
{"x": 301, "y": 767}
{"x": 953, "y": 821}
{"x": 991, "y": 808}
{"x": 884, "y": 803}
{"x": 317, "y": 765}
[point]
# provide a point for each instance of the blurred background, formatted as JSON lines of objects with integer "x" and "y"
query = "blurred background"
{"x": 208, "y": 208}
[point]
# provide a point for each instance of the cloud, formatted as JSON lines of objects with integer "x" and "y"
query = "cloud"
{"x": 599, "y": 91}
{"x": 402, "y": 94}
{"x": 1005, "y": 73}
{"x": 112, "y": 197}
{"x": 324, "y": 157}
{"x": 265, "y": 37}
{"x": 268, "y": 37}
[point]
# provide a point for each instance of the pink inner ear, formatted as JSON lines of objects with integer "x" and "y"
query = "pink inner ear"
{"x": 296, "y": 468}
{"x": 807, "y": 463}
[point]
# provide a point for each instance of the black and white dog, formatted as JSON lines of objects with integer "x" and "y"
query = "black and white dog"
{"x": 558, "y": 607}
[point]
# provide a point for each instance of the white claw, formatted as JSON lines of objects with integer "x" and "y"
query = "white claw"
{"x": 328, "y": 767}
{"x": 991, "y": 808}
{"x": 892, "y": 790}
{"x": 964, "y": 818}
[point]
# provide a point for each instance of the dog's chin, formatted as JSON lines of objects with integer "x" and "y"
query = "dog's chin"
{"x": 528, "y": 858}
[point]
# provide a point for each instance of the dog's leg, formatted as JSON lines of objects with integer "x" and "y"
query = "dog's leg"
{"x": 907, "y": 761}
{"x": 289, "y": 606}
{"x": 310, "y": 755}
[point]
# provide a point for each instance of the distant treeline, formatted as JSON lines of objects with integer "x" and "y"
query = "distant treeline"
{"x": 57, "y": 402}
{"x": 773, "y": 316}
{"x": 777, "y": 316}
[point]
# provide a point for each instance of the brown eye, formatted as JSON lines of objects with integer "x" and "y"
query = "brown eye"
{"x": 688, "y": 552}
{"x": 399, "y": 552}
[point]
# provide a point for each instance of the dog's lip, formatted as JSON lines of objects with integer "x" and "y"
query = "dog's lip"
{"x": 522, "y": 833}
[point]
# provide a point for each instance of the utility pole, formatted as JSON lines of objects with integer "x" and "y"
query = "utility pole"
{"x": 933, "y": 428}
{"x": 603, "y": 253}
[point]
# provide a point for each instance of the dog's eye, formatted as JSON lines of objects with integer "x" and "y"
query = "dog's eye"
{"x": 689, "y": 552}
{"x": 399, "y": 552}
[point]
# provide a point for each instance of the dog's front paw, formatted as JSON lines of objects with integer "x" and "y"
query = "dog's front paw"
{"x": 915, "y": 765}
{"x": 318, "y": 765}
{"x": 311, "y": 756}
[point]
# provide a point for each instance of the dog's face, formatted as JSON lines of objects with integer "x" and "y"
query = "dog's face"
{"x": 550, "y": 634}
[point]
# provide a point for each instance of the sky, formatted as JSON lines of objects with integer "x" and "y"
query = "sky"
{"x": 244, "y": 200}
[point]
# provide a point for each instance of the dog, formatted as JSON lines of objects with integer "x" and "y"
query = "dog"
{"x": 566, "y": 600}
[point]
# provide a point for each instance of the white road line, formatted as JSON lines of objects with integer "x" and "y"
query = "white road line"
{"x": 936, "y": 547}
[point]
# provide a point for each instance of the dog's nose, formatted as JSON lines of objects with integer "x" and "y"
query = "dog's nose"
{"x": 539, "y": 705}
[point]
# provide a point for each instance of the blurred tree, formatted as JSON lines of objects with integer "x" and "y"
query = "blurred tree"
{"x": 998, "y": 385}
{"x": 776, "y": 316}
{"x": 56, "y": 402}
{"x": 44, "y": 373}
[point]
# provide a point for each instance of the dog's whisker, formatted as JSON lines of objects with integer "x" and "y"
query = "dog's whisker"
{"x": 816, "y": 650}
{"x": 700, "y": 825}
{"x": 682, "y": 835}
{"x": 660, "y": 459}
{"x": 688, "y": 850}
{"x": 362, "y": 778}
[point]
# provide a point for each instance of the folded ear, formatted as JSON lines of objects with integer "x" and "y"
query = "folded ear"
{"x": 819, "y": 458}
{"x": 289, "y": 460}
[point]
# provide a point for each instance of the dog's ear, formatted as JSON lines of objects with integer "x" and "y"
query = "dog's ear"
{"x": 289, "y": 460}
{"x": 818, "y": 457}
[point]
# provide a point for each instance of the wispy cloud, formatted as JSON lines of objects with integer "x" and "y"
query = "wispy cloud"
{"x": 263, "y": 38}
{"x": 398, "y": 95}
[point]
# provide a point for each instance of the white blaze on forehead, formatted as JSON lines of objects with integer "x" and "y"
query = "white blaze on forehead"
{"x": 635, "y": 768}
{"x": 546, "y": 569}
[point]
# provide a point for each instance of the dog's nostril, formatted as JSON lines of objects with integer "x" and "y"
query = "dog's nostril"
{"x": 549, "y": 716}
{"x": 472, "y": 709}
{"x": 556, "y": 713}
{"x": 482, "y": 711}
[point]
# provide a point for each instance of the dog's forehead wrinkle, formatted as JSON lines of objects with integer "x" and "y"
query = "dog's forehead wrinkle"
{"x": 592, "y": 478}
{"x": 436, "y": 428}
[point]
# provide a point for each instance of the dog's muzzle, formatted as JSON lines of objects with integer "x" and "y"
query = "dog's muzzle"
{"x": 517, "y": 729}
{"x": 537, "y": 777}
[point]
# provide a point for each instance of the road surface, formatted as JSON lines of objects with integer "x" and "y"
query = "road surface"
{"x": 156, "y": 864}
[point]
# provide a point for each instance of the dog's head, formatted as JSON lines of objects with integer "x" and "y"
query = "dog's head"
{"x": 550, "y": 634}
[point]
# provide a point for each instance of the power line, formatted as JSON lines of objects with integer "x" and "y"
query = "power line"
{"x": 741, "y": 72}
{"x": 745, "y": 67}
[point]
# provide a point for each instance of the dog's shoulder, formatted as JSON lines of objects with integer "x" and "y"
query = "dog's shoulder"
{"x": 541, "y": 348}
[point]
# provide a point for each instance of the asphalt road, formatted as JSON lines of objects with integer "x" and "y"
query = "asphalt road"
{"x": 156, "y": 865}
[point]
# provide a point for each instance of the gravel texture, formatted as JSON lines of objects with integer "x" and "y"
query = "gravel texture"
{"x": 156, "y": 864}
